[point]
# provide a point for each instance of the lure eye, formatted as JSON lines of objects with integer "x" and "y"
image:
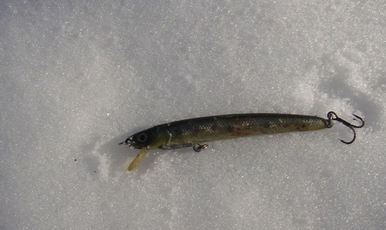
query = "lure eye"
{"x": 142, "y": 137}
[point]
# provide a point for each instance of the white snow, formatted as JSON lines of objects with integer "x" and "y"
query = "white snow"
{"x": 78, "y": 77}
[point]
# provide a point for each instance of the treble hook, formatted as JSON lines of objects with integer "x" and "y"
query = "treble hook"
{"x": 332, "y": 116}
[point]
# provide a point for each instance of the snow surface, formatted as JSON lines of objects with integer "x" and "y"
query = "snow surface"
{"x": 77, "y": 77}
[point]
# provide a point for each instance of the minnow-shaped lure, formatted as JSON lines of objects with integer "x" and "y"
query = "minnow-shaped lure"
{"x": 194, "y": 132}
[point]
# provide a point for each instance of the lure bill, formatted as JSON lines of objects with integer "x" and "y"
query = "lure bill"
{"x": 197, "y": 131}
{"x": 137, "y": 159}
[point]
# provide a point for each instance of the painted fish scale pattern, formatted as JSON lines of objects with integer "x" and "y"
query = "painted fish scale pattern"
{"x": 199, "y": 130}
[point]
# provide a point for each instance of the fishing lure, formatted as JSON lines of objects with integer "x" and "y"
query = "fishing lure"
{"x": 195, "y": 132}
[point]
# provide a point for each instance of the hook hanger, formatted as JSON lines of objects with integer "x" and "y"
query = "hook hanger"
{"x": 332, "y": 116}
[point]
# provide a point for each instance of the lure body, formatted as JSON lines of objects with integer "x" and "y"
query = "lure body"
{"x": 189, "y": 132}
{"x": 194, "y": 132}
{"x": 185, "y": 133}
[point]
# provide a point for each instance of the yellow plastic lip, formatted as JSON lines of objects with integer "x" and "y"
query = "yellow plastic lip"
{"x": 137, "y": 159}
